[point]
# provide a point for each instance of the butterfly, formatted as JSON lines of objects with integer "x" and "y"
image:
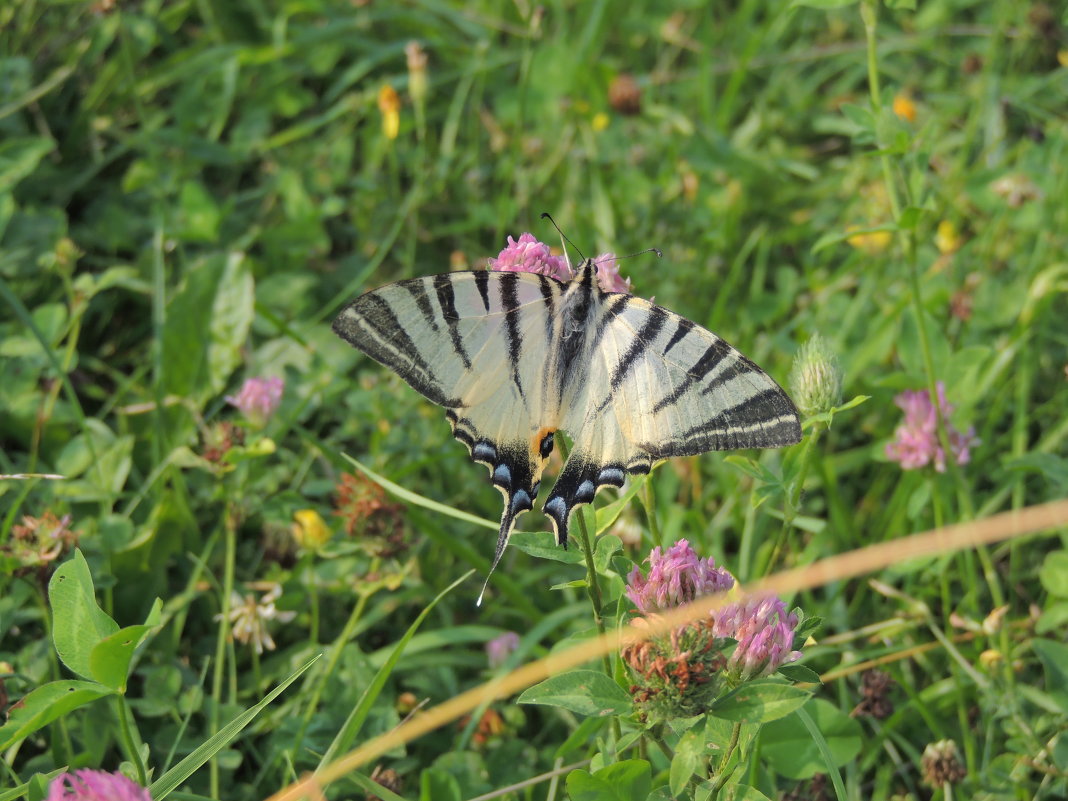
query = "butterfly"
{"x": 516, "y": 357}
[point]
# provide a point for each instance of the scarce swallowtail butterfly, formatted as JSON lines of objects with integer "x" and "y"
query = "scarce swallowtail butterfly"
{"x": 515, "y": 357}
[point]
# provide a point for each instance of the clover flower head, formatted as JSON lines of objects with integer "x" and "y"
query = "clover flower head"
{"x": 37, "y": 542}
{"x": 248, "y": 616}
{"x": 916, "y": 442}
{"x": 675, "y": 577}
{"x": 528, "y": 255}
{"x": 258, "y": 399}
{"x": 816, "y": 377}
{"x": 942, "y": 764}
{"x": 500, "y": 648}
{"x": 764, "y": 631}
{"x": 608, "y": 274}
{"x": 95, "y": 785}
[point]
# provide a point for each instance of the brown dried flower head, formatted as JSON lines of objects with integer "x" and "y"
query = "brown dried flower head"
{"x": 366, "y": 513}
{"x": 875, "y": 688}
{"x": 625, "y": 95}
{"x": 37, "y": 542}
{"x": 941, "y": 764}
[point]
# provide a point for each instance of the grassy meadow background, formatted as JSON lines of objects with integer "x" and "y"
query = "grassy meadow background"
{"x": 189, "y": 191}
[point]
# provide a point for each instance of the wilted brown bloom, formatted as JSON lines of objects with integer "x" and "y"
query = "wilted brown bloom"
{"x": 491, "y": 724}
{"x": 973, "y": 62}
{"x": 679, "y": 675}
{"x": 366, "y": 513}
{"x": 941, "y": 764}
{"x": 875, "y": 687}
{"x": 624, "y": 95}
{"x": 219, "y": 438}
{"x": 388, "y": 778}
{"x": 37, "y": 542}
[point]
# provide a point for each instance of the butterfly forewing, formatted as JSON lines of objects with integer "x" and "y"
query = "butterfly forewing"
{"x": 514, "y": 357}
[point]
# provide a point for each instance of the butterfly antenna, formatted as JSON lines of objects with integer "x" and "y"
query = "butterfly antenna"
{"x": 659, "y": 254}
{"x": 546, "y": 216}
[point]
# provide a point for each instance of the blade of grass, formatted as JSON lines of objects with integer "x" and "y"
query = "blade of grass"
{"x": 362, "y": 709}
{"x": 170, "y": 780}
{"x": 825, "y": 752}
{"x": 419, "y": 500}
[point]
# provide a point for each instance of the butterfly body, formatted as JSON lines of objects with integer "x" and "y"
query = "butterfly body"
{"x": 515, "y": 357}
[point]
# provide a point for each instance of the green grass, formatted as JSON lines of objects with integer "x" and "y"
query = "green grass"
{"x": 189, "y": 191}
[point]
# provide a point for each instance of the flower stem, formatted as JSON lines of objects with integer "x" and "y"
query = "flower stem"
{"x": 128, "y": 743}
{"x": 230, "y": 558}
{"x": 332, "y": 661}
{"x": 722, "y": 774}
{"x": 793, "y": 500}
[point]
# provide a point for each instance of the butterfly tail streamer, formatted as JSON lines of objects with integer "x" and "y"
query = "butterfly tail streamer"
{"x": 507, "y": 524}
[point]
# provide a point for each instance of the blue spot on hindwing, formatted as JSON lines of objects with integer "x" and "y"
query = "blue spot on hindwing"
{"x": 585, "y": 492}
{"x": 520, "y": 502}
{"x": 502, "y": 475}
{"x": 557, "y": 507}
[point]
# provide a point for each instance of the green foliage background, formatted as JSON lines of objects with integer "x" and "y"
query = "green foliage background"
{"x": 190, "y": 190}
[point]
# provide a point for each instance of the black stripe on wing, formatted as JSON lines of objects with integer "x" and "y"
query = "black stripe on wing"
{"x": 370, "y": 325}
{"x": 709, "y": 360}
{"x": 643, "y": 338}
{"x": 417, "y": 289}
{"x": 508, "y": 285}
{"x": 447, "y": 301}
{"x": 765, "y": 419}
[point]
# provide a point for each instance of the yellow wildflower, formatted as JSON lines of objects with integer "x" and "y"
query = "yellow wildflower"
{"x": 389, "y": 105}
{"x": 904, "y": 107}
{"x": 600, "y": 121}
{"x": 990, "y": 658}
{"x": 871, "y": 241}
{"x": 310, "y": 531}
{"x": 947, "y": 238}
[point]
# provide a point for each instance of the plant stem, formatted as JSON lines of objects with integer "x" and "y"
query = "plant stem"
{"x": 332, "y": 661}
{"x": 722, "y": 774}
{"x": 128, "y": 744}
{"x": 793, "y": 500}
{"x": 593, "y": 588}
{"x": 230, "y": 536}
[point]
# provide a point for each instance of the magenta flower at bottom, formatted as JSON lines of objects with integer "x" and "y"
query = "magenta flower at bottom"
{"x": 681, "y": 673}
{"x": 95, "y": 785}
